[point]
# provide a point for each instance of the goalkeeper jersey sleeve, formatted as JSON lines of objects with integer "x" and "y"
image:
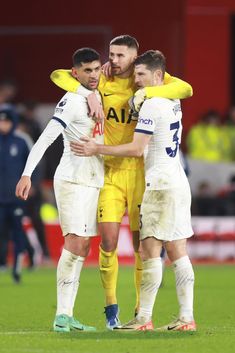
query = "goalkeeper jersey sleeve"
{"x": 173, "y": 88}
{"x": 64, "y": 79}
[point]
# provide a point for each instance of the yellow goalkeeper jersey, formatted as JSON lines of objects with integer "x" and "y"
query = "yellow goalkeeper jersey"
{"x": 119, "y": 126}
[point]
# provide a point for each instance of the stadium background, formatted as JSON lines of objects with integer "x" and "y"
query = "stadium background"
{"x": 197, "y": 37}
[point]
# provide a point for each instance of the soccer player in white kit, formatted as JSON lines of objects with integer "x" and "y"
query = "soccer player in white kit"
{"x": 165, "y": 217}
{"x": 77, "y": 183}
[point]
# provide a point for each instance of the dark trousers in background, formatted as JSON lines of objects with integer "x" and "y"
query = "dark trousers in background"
{"x": 11, "y": 228}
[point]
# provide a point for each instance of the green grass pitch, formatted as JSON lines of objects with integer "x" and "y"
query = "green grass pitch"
{"x": 27, "y": 312}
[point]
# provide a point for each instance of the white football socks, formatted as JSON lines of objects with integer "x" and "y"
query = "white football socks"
{"x": 184, "y": 278}
{"x": 80, "y": 262}
{"x": 68, "y": 274}
{"x": 151, "y": 281}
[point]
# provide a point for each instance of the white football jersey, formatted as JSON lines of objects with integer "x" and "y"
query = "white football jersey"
{"x": 72, "y": 113}
{"x": 72, "y": 120}
{"x": 161, "y": 118}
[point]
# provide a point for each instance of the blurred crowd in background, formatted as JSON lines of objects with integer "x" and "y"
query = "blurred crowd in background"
{"x": 212, "y": 140}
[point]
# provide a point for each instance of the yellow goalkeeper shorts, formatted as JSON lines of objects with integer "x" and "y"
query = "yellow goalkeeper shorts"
{"x": 123, "y": 189}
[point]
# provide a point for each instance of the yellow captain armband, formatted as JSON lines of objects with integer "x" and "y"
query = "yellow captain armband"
{"x": 64, "y": 79}
{"x": 173, "y": 88}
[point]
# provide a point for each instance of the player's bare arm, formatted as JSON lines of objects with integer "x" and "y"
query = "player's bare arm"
{"x": 66, "y": 80}
{"x": 89, "y": 147}
{"x": 95, "y": 107}
{"x": 22, "y": 188}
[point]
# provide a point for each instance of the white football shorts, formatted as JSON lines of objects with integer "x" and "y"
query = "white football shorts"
{"x": 77, "y": 208}
{"x": 165, "y": 214}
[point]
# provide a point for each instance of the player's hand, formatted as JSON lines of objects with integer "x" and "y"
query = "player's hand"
{"x": 23, "y": 187}
{"x": 136, "y": 101}
{"x": 107, "y": 70}
{"x": 95, "y": 107}
{"x": 86, "y": 148}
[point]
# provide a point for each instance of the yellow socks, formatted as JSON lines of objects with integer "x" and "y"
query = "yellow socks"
{"x": 108, "y": 262}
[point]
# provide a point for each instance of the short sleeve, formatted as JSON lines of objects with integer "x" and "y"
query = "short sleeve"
{"x": 147, "y": 118}
{"x": 70, "y": 108}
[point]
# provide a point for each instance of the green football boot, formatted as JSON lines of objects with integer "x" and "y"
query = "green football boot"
{"x": 61, "y": 323}
{"x": 77, "y": 326}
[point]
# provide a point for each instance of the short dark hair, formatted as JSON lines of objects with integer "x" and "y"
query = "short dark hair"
{"x": 153, "y": 59}
{"x": 85, "y": 55}
{"x": 127, "y": 40}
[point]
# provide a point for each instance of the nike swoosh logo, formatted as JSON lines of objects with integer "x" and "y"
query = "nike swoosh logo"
{"x": 171, "y": 327}
{"x": 67, "y": 282}
{"x": 108, "y": 94}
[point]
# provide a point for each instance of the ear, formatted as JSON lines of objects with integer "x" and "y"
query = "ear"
{"x": 157, "y": 76}
{"x": 134, "y": 53}
{"x": 74, "y": 72}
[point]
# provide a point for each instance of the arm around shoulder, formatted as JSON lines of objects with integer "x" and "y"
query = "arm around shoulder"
{"x": 64, "y": 79}
{"x": 173, "y": 88}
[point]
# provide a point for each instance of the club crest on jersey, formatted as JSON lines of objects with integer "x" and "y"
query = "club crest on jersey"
{"x": 63, "y": 102}
{"x": 13, "y": 150}
{"x": 145, "y": 121}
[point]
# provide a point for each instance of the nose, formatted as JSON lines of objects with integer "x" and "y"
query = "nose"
{"x": 94, "y": 74}
{"x": 114, "y": 60}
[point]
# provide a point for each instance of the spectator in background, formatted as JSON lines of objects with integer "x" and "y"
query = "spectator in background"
{"x": 226, "y": 197}
{"x": 208, "y": 141}
{"x": 204, "y": 202}
{"x": 28, "y": 121}
{"x": 14, "y": 150}
{"x": 8, "y": 90}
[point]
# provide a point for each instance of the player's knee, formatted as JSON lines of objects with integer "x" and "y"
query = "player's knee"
{"x": 85, "y": 249}
{"x": 176, "y": 250}
{"x": 150, "y": 248}
{"x": 109, "y": 243}
{"x": 77, "y": 245}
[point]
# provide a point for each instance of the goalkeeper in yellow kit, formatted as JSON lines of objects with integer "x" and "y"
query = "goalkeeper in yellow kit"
{"x": 124, "y": 177}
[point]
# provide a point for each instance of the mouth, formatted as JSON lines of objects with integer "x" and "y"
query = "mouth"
{"x": 93, "y": 83}
{"x": 115, "y": 67}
